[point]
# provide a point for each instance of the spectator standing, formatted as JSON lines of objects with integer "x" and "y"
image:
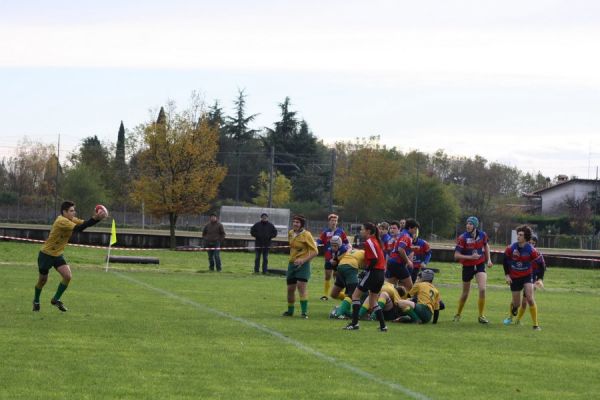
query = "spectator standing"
{"x": 263, "y": 232}
{"x": 213, "y": 235}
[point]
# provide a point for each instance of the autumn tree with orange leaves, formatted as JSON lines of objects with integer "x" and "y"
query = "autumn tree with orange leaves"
{"x": 178, "y": 171}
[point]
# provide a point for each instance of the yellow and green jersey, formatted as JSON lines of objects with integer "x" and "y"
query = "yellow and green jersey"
{"x": 59, "y": 236}
{"x": 427, "y": 294}
{"x": 354, "y": 258}
{"x": 301, "y": 243}
{"x": 391, "y": 291}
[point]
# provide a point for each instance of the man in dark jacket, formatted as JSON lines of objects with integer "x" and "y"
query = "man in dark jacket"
{"x": 213, "y": 235}
{"x": 263, "y": 231}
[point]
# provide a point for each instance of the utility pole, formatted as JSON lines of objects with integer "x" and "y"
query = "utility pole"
{"x": 417, "y": 187}
{"x": 56, "y": 177}
{"x": 332, "y": 183}
{"x": 237, "y": 178}
{"x": 271, "y": 171}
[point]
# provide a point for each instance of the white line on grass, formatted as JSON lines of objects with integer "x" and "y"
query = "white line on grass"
{"x": 280, "y": 336}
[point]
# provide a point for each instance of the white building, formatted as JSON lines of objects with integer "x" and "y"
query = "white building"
{"x": 554, "y": 196}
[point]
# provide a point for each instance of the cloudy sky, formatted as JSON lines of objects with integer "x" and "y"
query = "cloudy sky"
{"x": 514, "y": 81}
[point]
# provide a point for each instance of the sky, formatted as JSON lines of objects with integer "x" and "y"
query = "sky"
{"x": 517, "y": 82}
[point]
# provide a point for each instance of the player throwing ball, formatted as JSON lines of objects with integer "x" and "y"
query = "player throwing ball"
{"x": 51, "y": 254}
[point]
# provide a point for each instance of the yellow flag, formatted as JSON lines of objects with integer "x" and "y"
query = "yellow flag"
{"x": 113, "y": 233}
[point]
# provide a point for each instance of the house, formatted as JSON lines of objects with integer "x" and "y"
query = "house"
{"x": 548, "y": 200}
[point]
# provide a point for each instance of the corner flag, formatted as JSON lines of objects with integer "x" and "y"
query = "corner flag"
{"x": 113, "y": 233}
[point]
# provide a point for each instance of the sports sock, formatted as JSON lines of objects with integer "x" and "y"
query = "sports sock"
{"x": 520, "y": 314}
{"x": 345, "y": 307}
{"x": 291, "y": 308}
{"x": 363, "y": 310}
{"x": 461, "y": 305}
{"x": 342, "y": 295}
{"x": 379, "y": 314}
{"x": 513, "y": 309}
{"x": 327, "y": 288}
{"x": 355, "y": 309}
{"x": 304, "y": 305}
{"x": 36, "y": 297}
{"x": 381, "y": 303}
{"x": 534, "y": 315}
{"x": 61, "y": 289}
{"x": 481, "y": 305}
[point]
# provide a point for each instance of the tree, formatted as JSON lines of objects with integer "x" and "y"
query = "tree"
{"x": 438, "y": 209}
{"x": 26, "y": 174}
{"x": 120, "y": 172}
{"x": 93, "y": 154}
{"x": 85, "y": 186}
{"x": 282, "y": 190}
{"x": 178, "y": 171}
{"x": 237, "y": 126}
{"x": 240, "y": 150}
{"x": 580, "y": 214}
{"x": 363, "y": 172}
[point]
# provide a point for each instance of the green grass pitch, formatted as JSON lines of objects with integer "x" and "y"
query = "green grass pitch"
{"x": 179, "y": 332}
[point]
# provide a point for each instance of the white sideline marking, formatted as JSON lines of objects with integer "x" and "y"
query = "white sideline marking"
{"x": 281, "y": 337}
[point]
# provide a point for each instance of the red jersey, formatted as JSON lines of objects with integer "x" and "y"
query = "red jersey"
{"x": 518, "y": 261}
{"x": 403, "y": 241}
{"x": 468, "y": 245}
{"x": 373, "y": 251}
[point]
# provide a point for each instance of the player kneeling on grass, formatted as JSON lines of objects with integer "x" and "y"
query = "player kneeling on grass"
{"x": 302, "y": 249}
{"x": 427, "y": 304}
{"x": 51, "y": 254}
{"x": 374, "y": 277}
{"x": 518, "y": 269}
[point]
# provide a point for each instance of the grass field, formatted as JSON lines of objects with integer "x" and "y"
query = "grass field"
{"x": 180, "y": 332}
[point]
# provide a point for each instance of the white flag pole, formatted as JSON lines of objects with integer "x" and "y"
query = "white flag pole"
{"x": 108, "y": 255}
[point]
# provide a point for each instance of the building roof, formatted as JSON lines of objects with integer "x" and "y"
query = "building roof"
{"x": 560, "y": 185}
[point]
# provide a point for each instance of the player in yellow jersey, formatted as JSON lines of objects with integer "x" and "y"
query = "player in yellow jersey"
{"x": 346, "y": 263}
{"x": 302, "y": 249}
{"x": 427, "y": 304}
{"x": 51, "y": 254}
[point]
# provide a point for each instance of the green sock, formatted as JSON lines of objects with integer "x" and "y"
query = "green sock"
{"x": 290, "y": 308}
{"x": 381, "y": 304}
{"x": 363, "y": 310}
{"x": 413, "y": 315}
{"x": 36, "y": 297}
{"x": 61, "y": 289}
{"x": 304, "y": 306}
{"x": 344, "y": 308}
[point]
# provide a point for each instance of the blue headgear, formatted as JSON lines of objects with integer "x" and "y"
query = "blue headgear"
{"x": 474, "y": 221}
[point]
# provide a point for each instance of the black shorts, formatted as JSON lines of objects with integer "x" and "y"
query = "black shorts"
{"x": 395, "y": 270}
{"x": 519, "y": 283}
{"x": 372, "y": 281}
{"x": 391, "y": 314}
{"x": 469, "y": 272}
{"x": 46, "y": 262}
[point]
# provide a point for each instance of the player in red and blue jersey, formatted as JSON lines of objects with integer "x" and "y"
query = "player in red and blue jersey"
{"x": 323, "y": 240}
{"x": 399, "y": 263}
{"x": 373, "y": 279}
{"x": 421, "y": 255}
{"x": 385, "y": 236}
{"x": 473, "y": 252}
{"x": 521, "y": 259}
{"x": 394, "y": 232}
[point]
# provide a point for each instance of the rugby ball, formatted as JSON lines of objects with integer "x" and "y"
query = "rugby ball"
{"x": 101, "y": 208}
